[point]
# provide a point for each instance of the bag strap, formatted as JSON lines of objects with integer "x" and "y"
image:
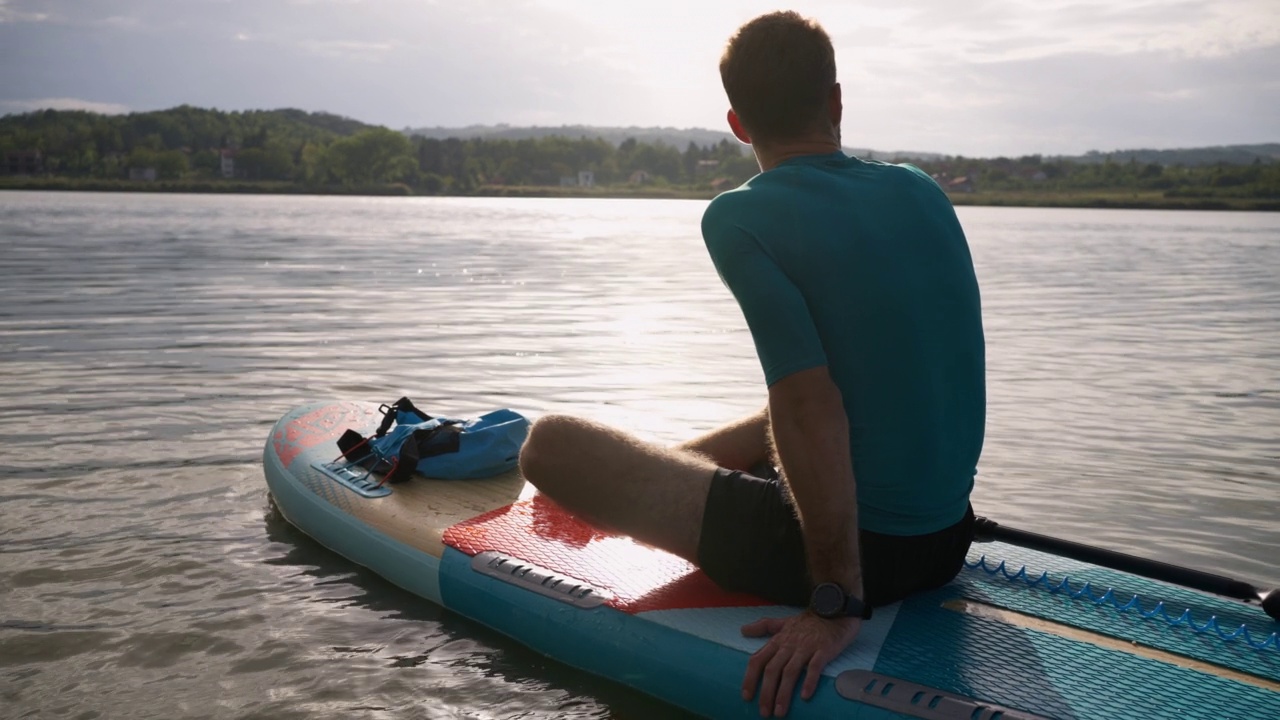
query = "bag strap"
{"x": 389, "y": 412}
{"x": 424, "y": 443}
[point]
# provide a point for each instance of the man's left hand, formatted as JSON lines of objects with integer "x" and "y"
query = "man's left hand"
{"x": 803, "y": 642}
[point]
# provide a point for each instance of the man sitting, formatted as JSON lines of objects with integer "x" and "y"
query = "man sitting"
{"x": 856, "y": 282}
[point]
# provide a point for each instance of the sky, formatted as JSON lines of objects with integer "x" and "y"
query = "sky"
{"x": 974, "y": 77}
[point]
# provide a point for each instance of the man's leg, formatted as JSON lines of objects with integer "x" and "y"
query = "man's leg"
{"x": 654, "y": 494}
{"x": 740, "y": 445}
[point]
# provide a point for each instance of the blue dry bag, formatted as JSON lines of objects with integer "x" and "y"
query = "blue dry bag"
{"x": 447, "y": 448}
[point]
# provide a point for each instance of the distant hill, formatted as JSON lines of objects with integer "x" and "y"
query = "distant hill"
{"x": 54, "y": 132}
{"x": 184, "y": 126}
{"x": 336, "y": 124}
{"x": 681, "y": 137}
{"x": 678, "y": 138}
{"x": 1228, "y": 154}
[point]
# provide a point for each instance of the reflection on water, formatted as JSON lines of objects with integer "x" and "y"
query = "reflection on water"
{"x": 147, "y": 344}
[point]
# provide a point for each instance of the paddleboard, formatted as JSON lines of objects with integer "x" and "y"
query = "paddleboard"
{"x": 1019, "y": 634}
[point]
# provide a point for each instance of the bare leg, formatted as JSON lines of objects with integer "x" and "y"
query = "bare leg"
{"x": 654, "y": 494}
{"x": 740, "y": 445}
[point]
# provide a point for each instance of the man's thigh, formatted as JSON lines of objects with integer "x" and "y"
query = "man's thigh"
{"x": 617, "y": 481}
{"x": 751, "y": 540}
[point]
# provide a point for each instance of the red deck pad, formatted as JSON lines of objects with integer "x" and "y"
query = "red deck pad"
{"x": 640, "y": 578}
{"x": 321, "y": 425}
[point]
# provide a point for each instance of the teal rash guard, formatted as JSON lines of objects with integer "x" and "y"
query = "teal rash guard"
{"x": 863, "y": 267}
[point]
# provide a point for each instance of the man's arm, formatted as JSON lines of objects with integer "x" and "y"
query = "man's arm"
{"x": 811, "y": 434}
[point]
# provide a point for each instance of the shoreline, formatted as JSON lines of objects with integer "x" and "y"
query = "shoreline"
{"x": 1114, "y": 199}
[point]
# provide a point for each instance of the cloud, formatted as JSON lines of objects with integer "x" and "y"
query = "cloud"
{"x": 1072, "y": 102}
{"x": 23, "y": 106}
{"x": 348, "y": 49}
{"x": 983, "y": 76}
{"x": 10, "y": 13}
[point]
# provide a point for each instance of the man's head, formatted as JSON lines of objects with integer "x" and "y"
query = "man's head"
{"x": 779, "y": 71}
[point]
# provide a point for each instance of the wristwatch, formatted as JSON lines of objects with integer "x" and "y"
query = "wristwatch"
{"x": 829, "y": 600}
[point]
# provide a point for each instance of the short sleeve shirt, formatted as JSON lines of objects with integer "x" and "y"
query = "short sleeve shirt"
{"x": 863, "y": 267}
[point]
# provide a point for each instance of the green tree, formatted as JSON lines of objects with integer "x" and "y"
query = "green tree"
{"x": 171, "y": 164}
{"x": 373, "y": 156}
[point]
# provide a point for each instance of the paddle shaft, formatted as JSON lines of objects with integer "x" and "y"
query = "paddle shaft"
{"x": 1227, "y": 587}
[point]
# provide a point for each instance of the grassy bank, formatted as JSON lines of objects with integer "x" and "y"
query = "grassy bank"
{"x": 1152, "y": 200}
{"x": 1139, "y": 200}
{"x": 250, "y": 187}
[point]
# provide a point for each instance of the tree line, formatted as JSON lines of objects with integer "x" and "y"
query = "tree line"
{"x": 316, "y": 149}
{"x": 1256, "y": 179}
{"x": 319, "y": 150}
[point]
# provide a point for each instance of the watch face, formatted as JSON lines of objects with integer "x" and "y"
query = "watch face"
{"x": 828, "y": 600}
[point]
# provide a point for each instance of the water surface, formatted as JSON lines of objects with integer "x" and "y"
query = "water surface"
{"x": 148, "y": 342}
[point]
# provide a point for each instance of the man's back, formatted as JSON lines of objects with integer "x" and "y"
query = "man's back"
{"x": 863, "y": 267}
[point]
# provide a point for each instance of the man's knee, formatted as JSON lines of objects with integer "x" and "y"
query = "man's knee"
{"x": 543, "y": 454}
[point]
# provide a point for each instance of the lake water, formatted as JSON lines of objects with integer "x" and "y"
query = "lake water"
{"x": 148, "y": 342}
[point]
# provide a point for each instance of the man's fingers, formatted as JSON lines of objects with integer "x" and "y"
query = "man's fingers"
{"x": 813, "y": 673}
{"x": 787, "y": 684}
{"x": 755, "y": 666}
{"x": 769, "y": 682}
{"x": 763, "y": 627}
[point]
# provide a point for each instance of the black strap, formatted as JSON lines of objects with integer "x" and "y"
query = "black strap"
{"x": 404, "y": 404}
{"x": 424, "y": 443}
{"x": 354, "y": 446}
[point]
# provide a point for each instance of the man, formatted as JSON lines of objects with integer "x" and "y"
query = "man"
{"x": 856, "y": 282}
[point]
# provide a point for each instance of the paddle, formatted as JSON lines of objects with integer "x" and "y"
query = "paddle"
{"x": 986, "y": 530}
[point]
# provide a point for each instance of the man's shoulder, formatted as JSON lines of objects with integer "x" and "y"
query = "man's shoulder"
{"x": 739, "y": 206}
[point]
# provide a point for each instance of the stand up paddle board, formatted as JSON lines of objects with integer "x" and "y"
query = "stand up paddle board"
{"x": 1019, "y": 634}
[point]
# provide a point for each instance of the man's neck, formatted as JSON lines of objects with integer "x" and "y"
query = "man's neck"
{"x": 770, "y": 156}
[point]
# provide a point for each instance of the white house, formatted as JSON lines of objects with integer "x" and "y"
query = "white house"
{"x": 228, "y": 157}
{"x": 586, "y": 178}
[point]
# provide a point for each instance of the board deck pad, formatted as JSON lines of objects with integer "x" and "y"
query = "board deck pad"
{"x": 636, "y": 578}
{"x": 1018, "y": 628}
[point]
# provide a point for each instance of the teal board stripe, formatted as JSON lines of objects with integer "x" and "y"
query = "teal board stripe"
{"x": 1041, "y": 672}
{"x": 1052, "y": 675}
{"x": 1176, "y": 637}
{"x": 972, "y": 657}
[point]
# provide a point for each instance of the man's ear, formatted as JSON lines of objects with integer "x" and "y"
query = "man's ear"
{"x": 835, "y": 105}
{"x": 736, "y": 126}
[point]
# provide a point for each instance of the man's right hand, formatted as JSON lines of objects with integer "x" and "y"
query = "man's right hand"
{"x": 803, "y": 642}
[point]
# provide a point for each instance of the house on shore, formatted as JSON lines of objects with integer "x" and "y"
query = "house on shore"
{"x": 142, "y": 174}
{"x": 23, "y": 162}
{"x": 227, "y": 158}
{"x": 584, "y": 178}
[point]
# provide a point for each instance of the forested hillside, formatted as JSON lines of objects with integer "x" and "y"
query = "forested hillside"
{"x": 176, "y": 142}
{"x": 319, "y": 150}
{"x": 675, "y": 137}
{"x": 198, "y": 150}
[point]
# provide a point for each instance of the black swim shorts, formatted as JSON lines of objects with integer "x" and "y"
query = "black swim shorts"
{"x": 751, "y": 542}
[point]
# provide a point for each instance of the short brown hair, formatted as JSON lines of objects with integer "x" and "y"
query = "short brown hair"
{"x": 777, "y": 71}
